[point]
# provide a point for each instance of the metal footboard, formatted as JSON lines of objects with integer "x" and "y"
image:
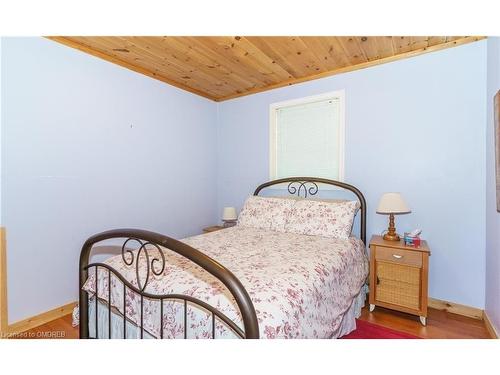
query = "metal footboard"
{"x": 149, "y": 247}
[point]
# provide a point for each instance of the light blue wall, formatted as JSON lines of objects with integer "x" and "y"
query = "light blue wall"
{"x": 492, "y": 216}
{"x": 89, "y": 146}
{"x": 416, "y": 126}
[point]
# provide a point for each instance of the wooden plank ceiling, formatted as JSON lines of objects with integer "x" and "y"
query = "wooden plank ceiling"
{"x": 225, "y": 67}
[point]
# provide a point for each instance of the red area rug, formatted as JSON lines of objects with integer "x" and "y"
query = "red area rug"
{"x": 367, "y": 330}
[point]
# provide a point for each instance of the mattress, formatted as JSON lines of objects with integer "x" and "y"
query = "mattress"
{"x": 132, "y": 330}
{"x": 301, "y": 287}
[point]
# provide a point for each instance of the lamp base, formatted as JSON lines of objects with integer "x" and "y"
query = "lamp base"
{"x": 391, "y": 237}
{"x": 391, "y": 234}
{"x": 228, "y": 223}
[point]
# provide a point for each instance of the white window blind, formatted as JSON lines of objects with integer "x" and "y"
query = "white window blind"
{"x": 307, "y": 138}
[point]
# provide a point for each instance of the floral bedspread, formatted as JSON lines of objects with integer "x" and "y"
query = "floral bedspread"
{"x": 300, "y": 285}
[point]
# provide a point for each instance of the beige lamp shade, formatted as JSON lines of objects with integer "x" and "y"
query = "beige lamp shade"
{"x": 229, "y": 213}
{"x": 392, "y": 203}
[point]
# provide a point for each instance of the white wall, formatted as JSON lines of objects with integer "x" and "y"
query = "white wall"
{"x": 415, "y": 126}
{"x": 492, "y": 216}
{"x": 89, "y": 146}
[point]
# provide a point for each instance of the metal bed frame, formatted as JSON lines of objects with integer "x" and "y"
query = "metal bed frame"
{"x": 149, "y": 245}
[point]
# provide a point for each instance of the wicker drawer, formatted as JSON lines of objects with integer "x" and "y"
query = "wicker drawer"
{"x": 398, "y": 293}
{"x": 408, "y": 257}
{"x": 396, "y": 272}
{"x": 398, "y": 285}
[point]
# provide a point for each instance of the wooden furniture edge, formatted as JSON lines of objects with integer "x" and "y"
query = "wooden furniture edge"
{"x": 456, "y": 308}
{"x": 490, "y": 327}
{"x": 212, "y": 228}
{"x": 3, "y": 283}
{"x": 40, "y": 319}
{"x": 376, "y": 240}
{"x": 424, "y": 283}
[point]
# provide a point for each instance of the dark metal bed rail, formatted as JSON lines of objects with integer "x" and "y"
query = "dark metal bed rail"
{"x": 156, "y": 265}
{"x": 306, "y": 186}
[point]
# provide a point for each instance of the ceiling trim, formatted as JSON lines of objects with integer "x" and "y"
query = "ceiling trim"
{"x": 289, "y": 82}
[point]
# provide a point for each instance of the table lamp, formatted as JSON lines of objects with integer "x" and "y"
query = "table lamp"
{"x": 229, "y": 217}
{"x": 392, "y": 204}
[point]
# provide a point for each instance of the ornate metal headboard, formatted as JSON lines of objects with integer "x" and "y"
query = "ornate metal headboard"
{"x": 305, "y": 186}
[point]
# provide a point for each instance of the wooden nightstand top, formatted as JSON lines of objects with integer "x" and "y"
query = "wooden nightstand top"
{"x": 213, "y": 228}
{"x": 379, "y": 241}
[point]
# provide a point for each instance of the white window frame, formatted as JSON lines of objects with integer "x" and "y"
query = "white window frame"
{"x": 273, "y": 109}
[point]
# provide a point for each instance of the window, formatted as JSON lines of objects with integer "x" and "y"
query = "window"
{"x": 307, "y": 137}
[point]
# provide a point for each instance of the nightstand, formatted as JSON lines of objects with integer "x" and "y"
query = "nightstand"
{"x": 399, "y": 276}
{"x": 213, "y": 228}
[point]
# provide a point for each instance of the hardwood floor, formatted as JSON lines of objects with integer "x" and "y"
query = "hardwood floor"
{"x": 440, "y": 325}
{"x": 57, "y": 329}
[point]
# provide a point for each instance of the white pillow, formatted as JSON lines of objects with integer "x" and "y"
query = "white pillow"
{"x": 327, "y": 219}
{"x": 266, "y": 213}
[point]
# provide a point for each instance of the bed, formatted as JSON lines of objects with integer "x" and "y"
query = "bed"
{"x": 240, "y": 282}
